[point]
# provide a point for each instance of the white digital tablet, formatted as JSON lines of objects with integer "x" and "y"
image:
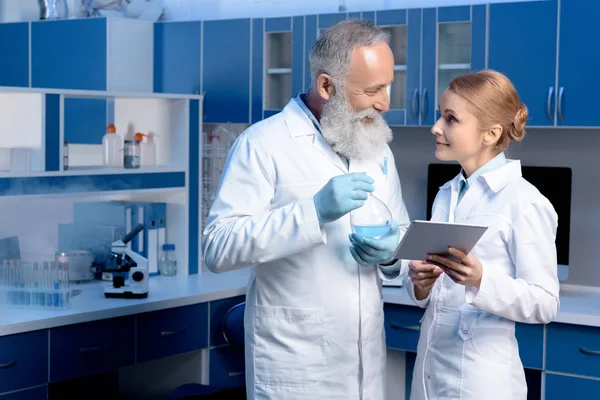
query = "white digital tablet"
{"x": 427, "y": 237}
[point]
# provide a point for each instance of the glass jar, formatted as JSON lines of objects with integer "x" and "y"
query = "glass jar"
{"x": 167, "y": 264}
{"x": 131, "y": 154}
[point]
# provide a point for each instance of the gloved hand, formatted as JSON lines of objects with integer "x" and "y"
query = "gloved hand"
{"x": 341, "y": 195}
{"x": 370, "y": 251}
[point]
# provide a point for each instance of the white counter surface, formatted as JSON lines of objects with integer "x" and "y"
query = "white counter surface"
{"x": 579, "y": 305}
{"x": 91, "y": 305}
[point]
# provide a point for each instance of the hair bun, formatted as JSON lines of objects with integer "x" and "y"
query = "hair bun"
{"x": 519, "y": 123}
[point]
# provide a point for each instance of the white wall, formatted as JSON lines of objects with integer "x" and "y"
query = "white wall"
{"x": 577, "y": 149}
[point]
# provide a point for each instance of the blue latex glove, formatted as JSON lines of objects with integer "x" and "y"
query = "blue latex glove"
{"x": 370, "y": 251}
{"x": 341, "y": 195}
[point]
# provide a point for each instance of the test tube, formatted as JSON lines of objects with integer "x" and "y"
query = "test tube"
{"x": 55, "y": 283}
{"x": 45, "y": 280}
{"x": 36, "y": 285}
{"x": 12, "y": 282}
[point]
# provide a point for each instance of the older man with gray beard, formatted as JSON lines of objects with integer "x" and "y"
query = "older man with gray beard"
{"x": 314, "y": 309}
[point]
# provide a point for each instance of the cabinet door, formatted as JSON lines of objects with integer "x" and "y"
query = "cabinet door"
{"x": 560, "y": 387}
{"x": 395, "y": 22}
{"x": 226, "y": 71}
{"x": 413, "y": 64}
{"x": 14, "y": 47}
{"x": 522, "y": 45}
{"x": 579, "y": 63}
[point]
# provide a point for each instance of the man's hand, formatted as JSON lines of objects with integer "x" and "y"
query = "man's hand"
{"x": 341, "y": 195}
{"x": 370, "y": 251}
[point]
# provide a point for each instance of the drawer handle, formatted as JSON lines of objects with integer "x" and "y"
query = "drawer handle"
{"x": 83, "y": 350}
{"x": 8, "y": 364}
{"x": 232, "y": 374}
{"x": 590, "y": 352}
{"x": 171, "y": 333}
{"x": 406, "y": 328}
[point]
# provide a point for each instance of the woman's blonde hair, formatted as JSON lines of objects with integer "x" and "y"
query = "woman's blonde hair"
{"x": 493, "y": 99}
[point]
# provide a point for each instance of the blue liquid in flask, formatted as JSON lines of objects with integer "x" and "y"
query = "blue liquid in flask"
{"x": 372, "y": 231}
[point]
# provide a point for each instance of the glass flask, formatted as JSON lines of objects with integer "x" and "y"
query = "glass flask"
{"x": 372, "y": 220}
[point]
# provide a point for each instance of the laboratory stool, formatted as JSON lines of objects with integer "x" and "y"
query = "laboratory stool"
{"x": 232, "y": 328}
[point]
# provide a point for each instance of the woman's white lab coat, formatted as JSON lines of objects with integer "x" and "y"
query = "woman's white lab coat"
{"x": 467, "y": 348}
{"x": 314, "y": 318}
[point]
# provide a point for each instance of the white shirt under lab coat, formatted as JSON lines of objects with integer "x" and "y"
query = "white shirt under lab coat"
{"x": 314, "y": 317}
{"x": 467, "y": 348}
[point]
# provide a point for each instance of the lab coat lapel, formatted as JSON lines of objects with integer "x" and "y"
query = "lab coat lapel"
{"x": 470, "y": 199}
{"x": 299, "y": 124}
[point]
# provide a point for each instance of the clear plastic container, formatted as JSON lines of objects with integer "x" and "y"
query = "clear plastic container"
{"x": 148, "y": 149}
{"x": 167, "y": 265}
{"x": 373, "y": 219}
{"x": 112, "y": 145}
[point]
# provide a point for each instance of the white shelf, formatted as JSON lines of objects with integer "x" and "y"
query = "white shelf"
{"x": 89, "y": 171}
{"x": 279, "y": 71}
{"x": 449, "y": 67}
{"x": 101, "y": 93}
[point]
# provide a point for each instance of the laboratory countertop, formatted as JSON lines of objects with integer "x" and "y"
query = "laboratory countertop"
{"x": 91, "y": 305}
{"x": 579, "y": 305}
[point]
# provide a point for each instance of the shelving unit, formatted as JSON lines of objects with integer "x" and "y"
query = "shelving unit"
{"x": 278, "y": 69}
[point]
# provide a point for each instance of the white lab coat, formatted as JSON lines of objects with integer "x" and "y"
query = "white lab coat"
{"x": 314, "y": 317}
{"x": 467, "y": 348}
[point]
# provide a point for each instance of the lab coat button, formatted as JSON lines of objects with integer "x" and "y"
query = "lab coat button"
{"x": 466, "y": 332}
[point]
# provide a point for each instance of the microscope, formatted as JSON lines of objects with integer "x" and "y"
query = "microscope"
{"x": 125, "y": 260}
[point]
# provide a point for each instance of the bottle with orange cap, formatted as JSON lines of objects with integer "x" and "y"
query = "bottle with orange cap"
{"x": 147, "y": 149}
{"x": 112, "y": 145}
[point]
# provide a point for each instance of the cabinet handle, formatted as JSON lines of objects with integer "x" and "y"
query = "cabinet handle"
{"x": 232, "y": 374}
{"x": 415, "y": 105}
{"x": 91, "y": 349}
{"x": 561, "y": 91}
{"x": 424, "y": 104}
{"x": 8, "y": 364}
{"x": 549, "y": 103}
{"x": 171, "y": 333}
{"x": 406, "y": 328}
{"x": 590, "y": 352}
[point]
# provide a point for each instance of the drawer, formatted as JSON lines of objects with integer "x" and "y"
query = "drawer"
{"x": 227, "y": 367}
{"x": 560, "y": 387}
{"x": 218, "y": 309}
{"x": 573, "y": 349}
{"x": 402, "y": 326}
{"x": 37, "y": 393}
{"x": 174, "y": 331}
{"x": 23, "y": 360}
{"x": 91, "y": 348}
{"x": 531, "y": 344}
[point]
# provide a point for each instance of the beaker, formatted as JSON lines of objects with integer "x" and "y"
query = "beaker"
{"x": 372, "y": 220}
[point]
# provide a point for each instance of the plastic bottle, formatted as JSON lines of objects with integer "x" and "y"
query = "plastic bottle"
{"x": 112, "y": 145}
{"x": 167, "y": 265}
{"x": 148, "y": 149}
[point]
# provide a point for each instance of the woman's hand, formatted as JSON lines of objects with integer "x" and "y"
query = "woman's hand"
{"x": 467, "y": 271}
{"x": 423, "y": 276}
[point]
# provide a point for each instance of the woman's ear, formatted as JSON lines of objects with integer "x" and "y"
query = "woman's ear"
{"x": 492, "y": 136}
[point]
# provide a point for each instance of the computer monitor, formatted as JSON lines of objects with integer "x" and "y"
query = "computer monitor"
{"x": 552, "y": 182}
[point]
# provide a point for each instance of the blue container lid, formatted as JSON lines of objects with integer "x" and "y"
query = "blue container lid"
{"x": 168, "y": 246}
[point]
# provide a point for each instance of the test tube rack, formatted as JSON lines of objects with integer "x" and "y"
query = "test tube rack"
{"x": 43, "y": 285}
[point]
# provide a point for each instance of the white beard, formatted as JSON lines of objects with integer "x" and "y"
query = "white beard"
{"x": 348, "y": 135}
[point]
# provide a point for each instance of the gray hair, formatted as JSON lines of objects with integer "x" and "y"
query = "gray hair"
{"x": 332, "y": 52}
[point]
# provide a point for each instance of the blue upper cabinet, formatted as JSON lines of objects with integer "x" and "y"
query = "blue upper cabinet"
{"x": 395, "y": 23}
{"x": 177, "y": 57}
{"x": 327, "y": 21}
{"x": 111, "y": 54}
{"x": 522, "y": 45}
{"x": 277, "y": 63}
{"x": 14, "y": 47}
{"x": 226, "y": 70}
{"x": 579, "y": 63}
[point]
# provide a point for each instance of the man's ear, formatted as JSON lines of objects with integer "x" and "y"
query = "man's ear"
{"x": 325, "y": 86}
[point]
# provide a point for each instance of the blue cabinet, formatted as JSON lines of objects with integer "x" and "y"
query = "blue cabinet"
{"x": 14, "y": 47}
{"x": 578, "y": 64}
{"x": 530, "y": 338}
{"x": 226, "y": 71}
{"x": 92, "y": 54}
{"x": 23, "y": 360}
{"x": 227, "y": 367}
{"x": 177, "y": 48}
{"x": 402, "y": 326}
{"x": 91, "y": 348}
{"x": 84, "y": 120}
{"x": 522, "y": 45}
{"x": 573, "y": 349}
{"x": 169, "y": 332}
{"x": 561, "y": 387}
{"x": 37, "y": 393}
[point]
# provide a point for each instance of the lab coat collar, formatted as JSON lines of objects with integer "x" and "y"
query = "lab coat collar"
{"x": 496, "y": 179}
{"x": 299, "y": 124}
